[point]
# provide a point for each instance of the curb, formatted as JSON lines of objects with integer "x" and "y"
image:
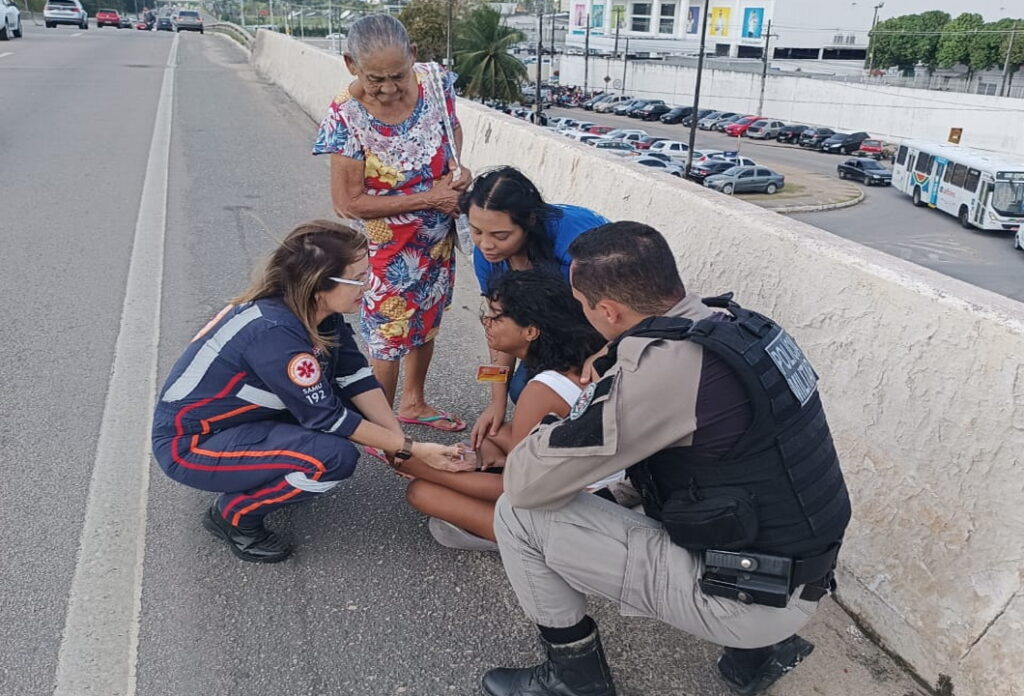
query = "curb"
{"x": 818, "y": 208}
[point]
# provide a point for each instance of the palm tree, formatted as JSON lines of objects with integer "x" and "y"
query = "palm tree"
{"x": 486, "y": 69}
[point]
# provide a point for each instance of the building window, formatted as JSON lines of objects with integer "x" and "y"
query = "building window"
{"x": 641, "y": 17}
{"x": 667, "y": 24}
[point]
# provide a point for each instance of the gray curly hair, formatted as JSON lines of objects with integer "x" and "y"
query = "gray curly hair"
{"x": 376, "y": 32}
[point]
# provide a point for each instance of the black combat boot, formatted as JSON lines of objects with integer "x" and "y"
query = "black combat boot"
{"x": 256, "y": 544}
{"x": 750, "y": 672}
{"x": 572, "y": 669}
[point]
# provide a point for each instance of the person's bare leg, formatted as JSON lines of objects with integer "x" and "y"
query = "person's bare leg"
{"x": 473, "y": 515}
{"x": 414, "y": 401}
{"x": 474, "y": 484}
{"x": 386, "y": 372}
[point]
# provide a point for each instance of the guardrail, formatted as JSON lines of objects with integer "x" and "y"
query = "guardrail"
{"x": 233, "y": 31}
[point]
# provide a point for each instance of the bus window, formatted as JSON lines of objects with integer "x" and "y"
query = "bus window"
{"x": 924, "y": 163}
{"x": 1008, "y": 198}
{"x": 971, "y": 184}
{"x": 948, "y": 176}
{"x": 901, "y": 156}
{"x": 959, "y": 175}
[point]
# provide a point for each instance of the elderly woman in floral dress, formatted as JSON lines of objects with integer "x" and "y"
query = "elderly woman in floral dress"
{"x": 393, "y": 168}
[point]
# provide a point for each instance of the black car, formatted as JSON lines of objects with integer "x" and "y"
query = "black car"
{"x": 844, "y": 143}
{"x": 791, "y": 134}
{"x": 637, "y": 111}
{"x": 589, "y": 104}
{"x": 688, "y": 121}
{"x": 676, "y": 114}
{"x": 700, "y": 172}
{"x": 653, "y": 112}
{"x": 625, "y": 107}
{"x": 865, "y": 169}
{"x": 164, "y": 24}
{"x": 814, "y": 137}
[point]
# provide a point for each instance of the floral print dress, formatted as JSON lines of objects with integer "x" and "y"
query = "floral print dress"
{"x": 412, "y": 264}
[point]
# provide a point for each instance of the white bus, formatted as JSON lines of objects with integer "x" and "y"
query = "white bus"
{"x": 981, "y": 189}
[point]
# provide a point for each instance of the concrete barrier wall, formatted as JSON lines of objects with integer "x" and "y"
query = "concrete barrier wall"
{"x": 921, "y": 376}
{"x": 892, "y": 113}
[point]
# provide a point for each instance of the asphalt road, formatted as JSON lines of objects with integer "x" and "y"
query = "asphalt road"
{"x": 886, "y": 220}
{"x": 369, "y": 604}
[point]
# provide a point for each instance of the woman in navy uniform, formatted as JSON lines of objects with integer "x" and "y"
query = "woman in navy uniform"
{"x": 266, "y": 402}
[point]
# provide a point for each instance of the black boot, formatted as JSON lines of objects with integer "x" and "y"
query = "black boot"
{"x": 255, "y": 544}
{"x": 750, "y": 672}
{"x": 573, "y": 669}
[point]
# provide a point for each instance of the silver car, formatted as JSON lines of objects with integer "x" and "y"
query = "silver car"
{"x": 763, "y": 128}
{"x": 65, "y": 12}
{"x": 615, "y": 147}
{"x": 746, "y": 180}
{"x": 10, "y": 20}
{"x": 187, "y": 20}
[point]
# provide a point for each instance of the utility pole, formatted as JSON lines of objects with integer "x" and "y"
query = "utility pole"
{"x": 540, "y": 59}
{"x": 764, "y": 68}
{"x": 302, "y": 28}
{"x": 448, "y": 52}
{"x": 1004, "y": 86}
{"x": 271, "y": 12}
{"x": 586, "y": 57}
{"x": 330, "y": 22}
{"x": 696, "y": 91}
{"x": 625, "y": 62}
{"x": 871, "y": 39}
{"x": 241, "y": 12}
{"x": 551, "y": 69}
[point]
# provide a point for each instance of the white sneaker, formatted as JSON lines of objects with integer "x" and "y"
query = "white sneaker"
{"x": 447, "y": 534}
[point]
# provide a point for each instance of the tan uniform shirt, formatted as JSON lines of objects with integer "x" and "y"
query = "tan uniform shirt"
{"x": 644, "y": 403}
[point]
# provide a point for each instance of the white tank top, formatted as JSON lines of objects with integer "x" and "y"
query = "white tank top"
{"x": 570, "y": 392}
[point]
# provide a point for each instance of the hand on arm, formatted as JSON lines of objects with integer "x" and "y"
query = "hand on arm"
{"x": 350, "y": 199}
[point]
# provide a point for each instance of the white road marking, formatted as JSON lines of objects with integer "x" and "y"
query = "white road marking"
{"x": 99, "y": 648}
{"x": 77, "y": 33}
{"x": 4, "y": 55}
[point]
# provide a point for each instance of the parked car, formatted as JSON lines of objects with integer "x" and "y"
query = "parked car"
{"x": 724, "y": 123}
{"x": 588, "y": 138}
{"x": 672, "y": 148}
{"x": 615, "y": 147}
{"x": 701, "y": 156}
{"x": 108, "y": 18}
{"x": 659, "y": 155}
{"x": 688, "y": 121}
{"x": 700, "y": 172}
{"x": 600, "y": 130}
{"x": 790, "y": 134}
{"x": 654, "y": 112}
{"x": 746, "y": 180}
{"x": 764, "y": 129}
{"x": 844, "y": 143}
{"x": 637, "y": 111}
{"x": 589, "y": 104}
{"x": 583, "y": 126}
{"x": 871, "y": 148}
{"x": 65, "y": 12}
{"x": 865, "y": 169}
{"x": 610, "y": 103}
{"x": 676, "y": 114}
{"x": 164, "y": 24}
{"x": 735, "y": 160}
{"x": 711, "y": 120}
{"x": 10, "y": 21}
{"x": 1018, "y": 239}
{"x": 740, "y": 126}
{"x": 126, "y": 22}
{"x": 619, "y": 133}
{"x": 647, "y": 141}
{"x": 814, "y": 137}
{"x": 623, "y": 108}
{"x": 655, "y": 163}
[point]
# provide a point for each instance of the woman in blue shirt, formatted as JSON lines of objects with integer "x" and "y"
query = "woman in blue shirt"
{"x": 514, "y": 229}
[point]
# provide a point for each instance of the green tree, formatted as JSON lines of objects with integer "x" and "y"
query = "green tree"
{"x": 928, "y": 26}
{"x": 1016, "y": 50}
{"x": 427, "y": 24}
{"x": 988, "y": 50}
{"x": 957, "y": 38}
{"x": 486, "y": 69}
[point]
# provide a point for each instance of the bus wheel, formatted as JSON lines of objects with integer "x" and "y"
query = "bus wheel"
{"x": 917, "y": 197}
{"x": 964, "y": 219}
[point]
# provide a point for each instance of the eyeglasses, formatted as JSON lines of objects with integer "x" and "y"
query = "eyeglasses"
{"x": 488, "y": 319}
{"x": 350, "y": 281}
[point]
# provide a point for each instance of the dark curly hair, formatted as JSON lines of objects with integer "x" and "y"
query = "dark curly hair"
{"x": 508, "y": 190}
{"x": 544, "y": 300}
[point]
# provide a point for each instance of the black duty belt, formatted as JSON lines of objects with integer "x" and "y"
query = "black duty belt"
{"x": 756, "y": 578}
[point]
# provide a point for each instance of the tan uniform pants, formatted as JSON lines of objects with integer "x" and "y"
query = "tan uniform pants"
{"x": 591, "y": 546}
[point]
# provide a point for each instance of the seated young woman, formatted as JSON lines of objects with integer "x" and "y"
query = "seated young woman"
{"x": 533, "y": 316}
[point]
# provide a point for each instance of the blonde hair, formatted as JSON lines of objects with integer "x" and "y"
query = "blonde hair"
{"x": 301, "y": 267}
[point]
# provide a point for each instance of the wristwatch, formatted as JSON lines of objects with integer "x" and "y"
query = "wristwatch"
{"x": 403, "y": 455}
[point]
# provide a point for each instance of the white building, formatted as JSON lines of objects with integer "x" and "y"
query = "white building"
{"x": 801, "y": 29}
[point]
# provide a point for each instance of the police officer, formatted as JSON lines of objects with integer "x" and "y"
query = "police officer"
{"x": 264, "y": 405}
{"x": 714, "y": 412}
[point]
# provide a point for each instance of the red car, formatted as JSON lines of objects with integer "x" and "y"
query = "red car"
{"x": 600, "y": 130}
{"x": 108, "y": 18}
{"x": 740, "y": 127}
{"x": 871, "y": 148}
{"x": 645, "y": 142}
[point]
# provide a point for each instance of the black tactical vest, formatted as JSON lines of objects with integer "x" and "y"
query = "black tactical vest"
{"x": 785, "y": 460}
